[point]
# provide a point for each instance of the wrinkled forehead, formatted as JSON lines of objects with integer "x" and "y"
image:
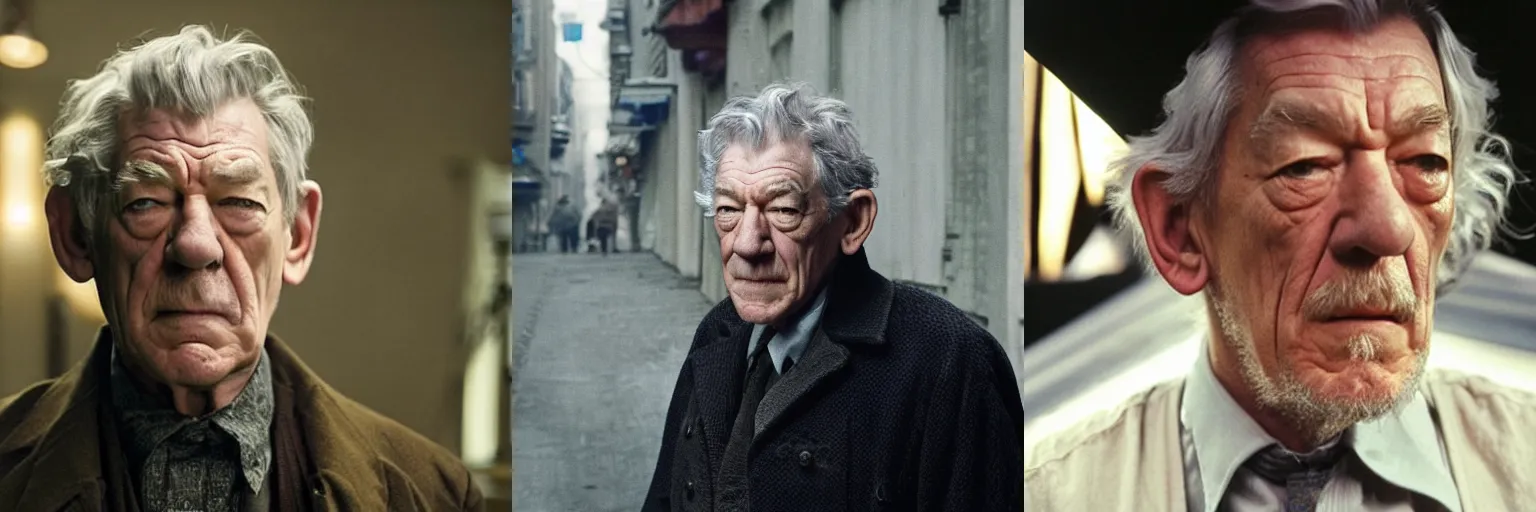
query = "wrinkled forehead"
{"x": 1394, "y": 52}
{"x": 228, "y": 145}
{"x": 744, "y": 160}
{"x": 239, "y": 121}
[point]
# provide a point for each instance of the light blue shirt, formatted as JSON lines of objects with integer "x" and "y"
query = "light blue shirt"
{"x": 791, "y": 342}
{"x": 1401, "y": 448}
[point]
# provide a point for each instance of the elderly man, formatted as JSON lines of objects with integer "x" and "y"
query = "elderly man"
{"x": 1325, "y": 169}
{"x": 818, "y": 384}
{"x": 178, "y": 184}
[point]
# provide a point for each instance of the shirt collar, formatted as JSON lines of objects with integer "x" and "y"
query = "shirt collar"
{"x": 791, "y": 342}
{"x": 1402, "y": 447}
{"x": 150, "y": 419}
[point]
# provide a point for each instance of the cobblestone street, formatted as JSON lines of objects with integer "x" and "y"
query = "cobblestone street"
{"x": 598, "y": 345}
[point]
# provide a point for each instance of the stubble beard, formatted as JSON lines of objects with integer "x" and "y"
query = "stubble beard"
{"x": 1317, "y": 418}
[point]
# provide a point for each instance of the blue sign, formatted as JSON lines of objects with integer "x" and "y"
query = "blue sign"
{"x": 572, "y": 32}
{"x": 517, "y": 156}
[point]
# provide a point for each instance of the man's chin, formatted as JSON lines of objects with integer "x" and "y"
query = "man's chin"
{"x": 1357, "y": 382}
{"x": 196, "y": 365}
{"x": 756, "y": 312}
{"x": 1358, "y": 391}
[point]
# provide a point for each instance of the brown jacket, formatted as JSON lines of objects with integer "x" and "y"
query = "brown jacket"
{"x": 58, "y": 449}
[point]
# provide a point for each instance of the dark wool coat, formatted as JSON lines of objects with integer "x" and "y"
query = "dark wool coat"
{"x": 59, "y": 451}
{"x": 900, "y": 402}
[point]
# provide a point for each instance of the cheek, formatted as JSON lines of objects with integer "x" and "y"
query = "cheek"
{"x": 253, "y": 257}
{"x": 1263, "y": 259}
{"x": 1437, "y": 220}
{"x": 130, "y": 259}
{"x": 788, "y": 251}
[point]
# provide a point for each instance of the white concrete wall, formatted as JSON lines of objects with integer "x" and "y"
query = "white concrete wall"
{"x": 686, "y": 124}
{"x": 893, "y": 77}
{"x": 711, "y": 277}
{"x": 1019, "y": 213}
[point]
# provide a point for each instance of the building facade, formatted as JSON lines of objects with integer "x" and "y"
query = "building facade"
{"x": 935, "y": 87}
{"x": 540, "y": 117}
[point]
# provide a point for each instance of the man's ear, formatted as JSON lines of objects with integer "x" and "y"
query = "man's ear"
{"x": 303, "y": 234}
{"x": 860, "y": 216}
{"x": 71, "y": 244}
{"x": 1170, "y": 232}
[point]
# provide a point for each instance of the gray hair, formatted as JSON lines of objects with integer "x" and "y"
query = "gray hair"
{"x": 192, "y": 73}
{"x": 789, "y": 112}
{"x": 1187, "y": 144}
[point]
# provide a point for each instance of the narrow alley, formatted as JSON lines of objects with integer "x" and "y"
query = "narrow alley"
{"x": 599, "y": 341}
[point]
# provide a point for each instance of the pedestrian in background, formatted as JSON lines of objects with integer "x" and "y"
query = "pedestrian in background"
{"x": 605, "y": 222}
{"x": 565, "y": 224}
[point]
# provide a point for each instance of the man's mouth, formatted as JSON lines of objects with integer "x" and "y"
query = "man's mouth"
{"x": 1368, "y": 314}
{"x": 189, "y": 313}
{"x": 757, "y": 279}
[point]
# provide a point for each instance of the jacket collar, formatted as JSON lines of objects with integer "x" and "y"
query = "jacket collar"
{"x": 64, "y": 429}
{"x": 858, "y": 306}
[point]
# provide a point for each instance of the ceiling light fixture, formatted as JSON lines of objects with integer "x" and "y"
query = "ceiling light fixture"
{"x": 19, "y": 48}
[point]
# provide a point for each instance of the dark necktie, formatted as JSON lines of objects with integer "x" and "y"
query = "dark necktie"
{"x": 732, "y": 484}
{"x": 1304, "y": 475}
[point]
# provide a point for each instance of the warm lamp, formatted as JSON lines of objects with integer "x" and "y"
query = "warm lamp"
{"x": 18, "y": 47}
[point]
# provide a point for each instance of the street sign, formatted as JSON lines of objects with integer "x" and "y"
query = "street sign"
{"x": 572, "y": 32}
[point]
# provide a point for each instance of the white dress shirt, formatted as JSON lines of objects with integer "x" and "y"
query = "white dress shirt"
{"x": 1397, "y": 461}
{"x": 791, "y": 342}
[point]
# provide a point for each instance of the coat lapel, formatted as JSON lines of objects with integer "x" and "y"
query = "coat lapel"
{"x": 858, "y": 306}
{"x": 719, "y": 366}
{"x": 821, "y": 360}
{"x": 349, "y": 475}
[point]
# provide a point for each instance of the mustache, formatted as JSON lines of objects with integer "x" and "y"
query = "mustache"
{"x": 1385, "y": 291}
{"x": 768, "y": 270}
{"x": 203, "y": 293}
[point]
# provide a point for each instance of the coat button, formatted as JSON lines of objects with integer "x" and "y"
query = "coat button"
{"x": 688, "y": 429}
{"x": 880, "y": 496}
{"x": 689, "y": 488}
{"x": 806, "y": 459}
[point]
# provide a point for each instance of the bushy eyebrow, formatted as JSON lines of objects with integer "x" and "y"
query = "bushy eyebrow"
{"x": 772, "y": 191}
{"x": 141, "y": 171}
{"x": 1284, "y": 117}
{"x": 238, "y": 173}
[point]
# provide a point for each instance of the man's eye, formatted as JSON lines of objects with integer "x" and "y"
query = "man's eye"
{"x": 1301, "y": 169}
{"x": 141, "y": 205}
{"x": 726, "y": 209}
{"x": 786, "y": 211}
{"x": 1429, "y": 163}
{"x": 240, "y": 202}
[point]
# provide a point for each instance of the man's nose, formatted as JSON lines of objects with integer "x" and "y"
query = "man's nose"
{"x": 752, "y": 234}
{"x": 1375, "y": 220}
{"x": 194, "y": 239}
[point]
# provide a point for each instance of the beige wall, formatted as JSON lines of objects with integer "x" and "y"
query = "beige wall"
{"x": 402, "y": 90}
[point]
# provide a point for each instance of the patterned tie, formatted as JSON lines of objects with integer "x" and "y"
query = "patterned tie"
{"x": 1304, "y": 475}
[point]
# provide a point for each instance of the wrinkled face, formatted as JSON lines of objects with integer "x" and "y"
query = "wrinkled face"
{"x": 194, "y": 244}
{"x": 771, "y": 216}
{"x": 1335, "y": 206}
